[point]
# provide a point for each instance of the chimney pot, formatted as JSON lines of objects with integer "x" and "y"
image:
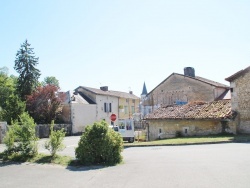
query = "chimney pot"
{"x": 189, "y": 71}
{"x": 104, "y": 88}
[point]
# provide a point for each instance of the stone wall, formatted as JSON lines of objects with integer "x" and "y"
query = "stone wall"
{"x": 43, "y": 131}
{"x": 184, "y": 89}
{"x": 3, "y": 129}
{"x": 241, "y": 101}
{"x": 160, "y": 129}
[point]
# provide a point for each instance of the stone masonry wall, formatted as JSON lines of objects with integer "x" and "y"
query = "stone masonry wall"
{"x": 160, "y": 129}
{"x": 43, "y": 131}
{"x": 184, "y": 89}
{"x": 241, "y": 101}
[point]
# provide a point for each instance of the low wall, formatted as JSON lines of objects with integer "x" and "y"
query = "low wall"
{"x": 43, "y": 131}
{"x": 160, "y": 129}
{"x": 3, "y": 129}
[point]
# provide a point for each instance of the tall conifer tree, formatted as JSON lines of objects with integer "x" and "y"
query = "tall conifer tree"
{"x": 25, "y": 65}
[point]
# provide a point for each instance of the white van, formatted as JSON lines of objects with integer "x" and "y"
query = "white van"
{"x": 126, "y": 128}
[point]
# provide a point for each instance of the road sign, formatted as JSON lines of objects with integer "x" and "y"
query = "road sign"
{"x": 113, "y": 117}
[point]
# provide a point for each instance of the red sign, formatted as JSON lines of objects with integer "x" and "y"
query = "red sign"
{"x": 113, "y": 117}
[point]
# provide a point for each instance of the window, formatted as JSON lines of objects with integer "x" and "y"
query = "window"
{"x": 232, "y": 90}
{"x": 107, "y": 107}
{"x": 132, "y": 109}
{"x": 126, "y": 100}
{"x": 110, "y": 107}
{"x": 121, "y": 125}
{"x": 133, "y": 101}
{"x": 128, "y": 125}
{"x": 126, "y": 109}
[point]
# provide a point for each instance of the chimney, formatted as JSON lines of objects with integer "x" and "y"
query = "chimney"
{"x": 104, "y": 88}
{"x": 189, "y": 71}
{"x": 131, "y": 92}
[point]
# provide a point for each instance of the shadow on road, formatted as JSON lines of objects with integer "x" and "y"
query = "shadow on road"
{"x": 8, "y": 163}
{"x": 85, "y": 168}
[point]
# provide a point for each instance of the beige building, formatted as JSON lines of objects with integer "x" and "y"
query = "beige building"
{"x": 193, "y": 119}
{"x": 240, "y": 91}
{"x": 184, "y": 88}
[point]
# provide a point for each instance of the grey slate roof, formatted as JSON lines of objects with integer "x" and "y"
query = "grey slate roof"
{"x": 110, "y": 93}
{"x": 144, "y": 89}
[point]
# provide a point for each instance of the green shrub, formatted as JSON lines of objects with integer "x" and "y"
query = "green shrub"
{"x": 54, "y": 143}
{"x": 9, "y": 141}
{"x": 99, "y": 145}
{"x": 23, "y": 133}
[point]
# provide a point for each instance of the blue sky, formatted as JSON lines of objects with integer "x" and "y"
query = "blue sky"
{"x": 123, "y": 43}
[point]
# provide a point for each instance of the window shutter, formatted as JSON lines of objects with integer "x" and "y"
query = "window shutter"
{"x": 110, "y": 107}
{"x": 105, "y": 107}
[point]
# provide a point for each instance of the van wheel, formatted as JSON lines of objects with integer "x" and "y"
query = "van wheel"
{"x": 131, "y": 140}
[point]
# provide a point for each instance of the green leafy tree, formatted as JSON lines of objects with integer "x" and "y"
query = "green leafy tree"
{"x": 50, "y": 80}
{"x": 55, "y": 142}
{"x": 6, "y": 86}
{"x": 25, "y": 65}
{"x": 10, "y": 104}
{"x": 99, "y": 145}
{"x": 14, "y": 107}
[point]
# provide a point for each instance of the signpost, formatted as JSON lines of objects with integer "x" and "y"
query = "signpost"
{"x": 113, "y": 117}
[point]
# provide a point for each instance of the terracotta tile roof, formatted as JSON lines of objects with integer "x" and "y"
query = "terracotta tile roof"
{"x": 197, "y": 110}
{"x": 111, "y": 93}
{"x": 237, "y": 74}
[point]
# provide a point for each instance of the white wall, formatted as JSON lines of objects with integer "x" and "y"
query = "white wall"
{"x": 81, "y": 116}
{"x": 101, "y": 114}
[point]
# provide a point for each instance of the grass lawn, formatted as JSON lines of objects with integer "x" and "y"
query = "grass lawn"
{"x": 40, "y": 159}
{"x": 193, "y": 140}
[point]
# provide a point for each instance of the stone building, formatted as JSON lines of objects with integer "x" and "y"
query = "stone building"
{"x": 184, "y": 88}
{"x": 240, "y": 91}
{"x": 193, "y": 119}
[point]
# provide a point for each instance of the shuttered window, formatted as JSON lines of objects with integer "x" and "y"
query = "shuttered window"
{"x": 107, "y": 107}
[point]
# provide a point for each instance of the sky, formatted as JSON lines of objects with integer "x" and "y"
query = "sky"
{"x": 124, "y": 43}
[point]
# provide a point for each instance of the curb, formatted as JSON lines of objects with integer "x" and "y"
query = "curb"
{"x": 186, "y": 144}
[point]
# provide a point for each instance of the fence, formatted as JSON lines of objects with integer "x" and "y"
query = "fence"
{"x": 43, "y": 130}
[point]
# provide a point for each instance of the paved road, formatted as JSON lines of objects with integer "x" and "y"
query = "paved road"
{"x": 216, "y": 165}
{"x": 70, "y": 142}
